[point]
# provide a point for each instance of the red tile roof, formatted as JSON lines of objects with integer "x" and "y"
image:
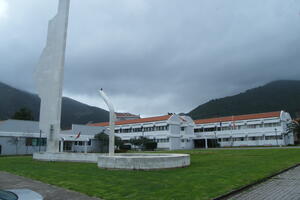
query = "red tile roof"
{"x": 135, "y": 121}
{"x": 126, "y": 115}
{"x": 238, "y": 117}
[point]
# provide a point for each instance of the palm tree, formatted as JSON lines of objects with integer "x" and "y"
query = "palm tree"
{"x": 294, "y": 127}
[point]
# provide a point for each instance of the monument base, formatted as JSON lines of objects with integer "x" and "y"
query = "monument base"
{"x": 143, "y": 161}
{"x": 67, "y": 157}
{"x": 127, "y": 161}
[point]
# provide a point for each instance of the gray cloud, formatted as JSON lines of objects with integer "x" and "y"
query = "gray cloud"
{"x": 157, "y": 56}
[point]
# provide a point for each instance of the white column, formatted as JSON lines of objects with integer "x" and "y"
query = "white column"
{"x": 62, "y": 145}
{"x": 206, "y": 145}
{"x": 85, "y": 147}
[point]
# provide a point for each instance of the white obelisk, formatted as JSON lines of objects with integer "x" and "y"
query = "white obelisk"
{"x": 112, "y": 120}
{"x": 49, "y": 76}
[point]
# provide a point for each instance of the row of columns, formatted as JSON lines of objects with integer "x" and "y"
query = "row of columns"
{"x": 62, "y": 146}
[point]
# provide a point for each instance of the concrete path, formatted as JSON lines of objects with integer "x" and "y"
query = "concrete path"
{"x": 285, "y": 186}
{"x": 249, "y": 148}
{"x": 49, "y": 192}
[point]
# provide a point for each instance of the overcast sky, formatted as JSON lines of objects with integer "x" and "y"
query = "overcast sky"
{"x": 156, "y": 56}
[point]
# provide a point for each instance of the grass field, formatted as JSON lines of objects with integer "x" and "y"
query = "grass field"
{"x": 212, "y": 173}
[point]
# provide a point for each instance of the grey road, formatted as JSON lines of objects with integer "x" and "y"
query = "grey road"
{"x": 49, "y": 192}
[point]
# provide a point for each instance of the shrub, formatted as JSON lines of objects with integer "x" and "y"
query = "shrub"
{"x": 150, "y": 146}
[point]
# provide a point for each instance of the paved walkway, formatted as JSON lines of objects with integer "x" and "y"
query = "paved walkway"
{"x": 285, "y": 186}
{"x": 49, "y": 192}
{"x": 249, "y": 148}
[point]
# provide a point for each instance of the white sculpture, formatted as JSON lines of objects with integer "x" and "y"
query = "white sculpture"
{"x": 49, "y": 76}
{"x": 112, "y": 120}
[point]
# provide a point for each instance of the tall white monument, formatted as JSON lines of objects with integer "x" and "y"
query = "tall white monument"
{"x": 112, "y": 120}
{"x": 49, "y": 76}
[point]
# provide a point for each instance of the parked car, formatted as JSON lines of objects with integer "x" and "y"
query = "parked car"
{"x": 20, "y": 194}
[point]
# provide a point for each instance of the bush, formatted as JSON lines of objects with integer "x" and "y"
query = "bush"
{"x": 125, "y": 147}
{"x": 144, "y": 143}
{"x": 120, "y": 151}
{"x": 151, "y": 145}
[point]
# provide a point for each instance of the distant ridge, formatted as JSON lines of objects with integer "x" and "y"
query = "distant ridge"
{"x": 274, "y": 96}
{"x": 12, "y": 99}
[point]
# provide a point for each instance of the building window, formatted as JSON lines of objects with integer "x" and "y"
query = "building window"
{"x": 164, "y": 140}
{"x": 273, "y": 137}
{"x": 36, "y": 142}
{"x": 238, "y": 139}
{"x": 28, "y": 142}
{"x": 272, "y": 124}
{"x": 251, "y": 126}
{"x": 161, "y": 128}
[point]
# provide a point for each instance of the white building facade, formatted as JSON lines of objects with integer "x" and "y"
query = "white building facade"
{"x": 262, "y": 129}
{"x": 18, "y": 137}
{"x": 170, "y": 131}
{"x": 174, "y": 132}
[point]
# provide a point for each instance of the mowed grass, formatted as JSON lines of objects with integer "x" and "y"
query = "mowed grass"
{"x": 212, "y": 173}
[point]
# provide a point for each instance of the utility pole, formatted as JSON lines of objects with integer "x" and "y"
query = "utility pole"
{"x": 40, "y": 140}
{"x": 276, "y": 136}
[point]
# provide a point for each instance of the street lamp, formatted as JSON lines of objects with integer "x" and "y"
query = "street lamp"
{"x": 276, "y": 136}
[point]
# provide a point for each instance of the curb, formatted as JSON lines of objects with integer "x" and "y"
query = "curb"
{"x": 242, "y": 189}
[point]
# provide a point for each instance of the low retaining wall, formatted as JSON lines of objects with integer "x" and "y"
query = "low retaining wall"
{"x": 133, "y": 161}
{"x": 67, "y": 157}
{"x": 138, "y": 161}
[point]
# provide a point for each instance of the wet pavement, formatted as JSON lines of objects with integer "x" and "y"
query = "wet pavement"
{"x": 49, "y": 192}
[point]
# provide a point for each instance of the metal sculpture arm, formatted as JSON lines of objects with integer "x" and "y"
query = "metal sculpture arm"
{"x": 112, "y": 119}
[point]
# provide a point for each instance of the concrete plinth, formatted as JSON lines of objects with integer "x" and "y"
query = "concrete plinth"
{"x": 67, "y": 157}
{"x": 143, "y": 161}
{"x": 133, "y": 161}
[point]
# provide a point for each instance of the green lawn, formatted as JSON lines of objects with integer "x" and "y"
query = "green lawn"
{"x": 212, "y": 173}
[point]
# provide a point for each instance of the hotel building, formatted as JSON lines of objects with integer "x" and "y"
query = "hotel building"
{"x": 181, "y": 132}
{"x": 262, "y": 129}
{"x": 171, "y": 132}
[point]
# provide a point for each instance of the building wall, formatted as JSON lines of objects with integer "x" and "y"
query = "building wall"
{"x": 254, "y": 132}
{"x": 169, "y": 136}
{"x": 17, "y": 146}
{"x": 178, "y": 132}
{"x": 93, "y": 146}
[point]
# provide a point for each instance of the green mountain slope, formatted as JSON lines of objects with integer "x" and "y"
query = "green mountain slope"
{"x": 73, "y": 112}
{"x": 275, "y": 96}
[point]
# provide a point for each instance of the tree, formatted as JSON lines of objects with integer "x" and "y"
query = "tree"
{"x": 294, "y": 127}
{"x": 103, "y": 138}
{"x": 23, "y": 114}
{"x": 144, "y": 143}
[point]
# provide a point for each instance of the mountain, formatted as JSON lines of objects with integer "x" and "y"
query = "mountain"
{"x": 274, "y": 96}
{"x": 73, "y": 112}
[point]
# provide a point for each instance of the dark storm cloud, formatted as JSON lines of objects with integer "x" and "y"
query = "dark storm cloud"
{"x": 157, "y": 56}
